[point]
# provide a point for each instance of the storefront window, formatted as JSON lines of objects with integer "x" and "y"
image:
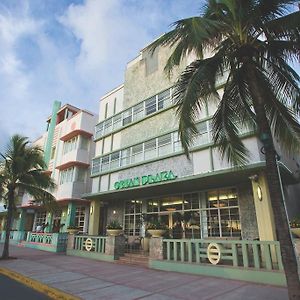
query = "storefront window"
{"x": 79, "y": 217}
{"x": 133, "y": 217}
{"x": 213, "y": 214}
{"x": 222, "y": 217}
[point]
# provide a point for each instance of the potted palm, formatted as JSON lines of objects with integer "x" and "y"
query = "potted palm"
{"x": 114, "y": 228}
{"x": 295, "y": 227}
{"x": 156, "y": 228}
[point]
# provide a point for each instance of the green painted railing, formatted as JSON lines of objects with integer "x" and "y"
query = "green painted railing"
{"x": 236, "y": 253}
{"x": 53, "y": 240}
{"x": 14, "y": 236}
{"x": 90, "y": 243}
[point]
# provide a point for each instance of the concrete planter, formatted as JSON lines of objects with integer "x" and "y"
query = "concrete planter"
{"x": 296, "y": 231}
{"x": 156, "y": 232}
{"x": 72, "y": 231}
{"x": 114, "y": 232}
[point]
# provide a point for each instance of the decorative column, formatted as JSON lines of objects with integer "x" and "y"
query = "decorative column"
{"x": 115, "y": 246}
{"x": 156, "y": 248}
{"x": 263, "y": 208}
{"x": 49, "y": 221}
{"x": 22, "y": 218}
{"x": 70, "y": 221}
{"x": 94, "y": 217}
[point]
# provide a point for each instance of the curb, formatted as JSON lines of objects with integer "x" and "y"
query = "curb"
{"x": 38, "y": 286}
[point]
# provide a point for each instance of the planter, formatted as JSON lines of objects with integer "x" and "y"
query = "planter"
{"x": 114, "y": 232}
{"x": 72, "y": 231}
{"x": 156, "y": 232}
{"x": 296, "y": 231}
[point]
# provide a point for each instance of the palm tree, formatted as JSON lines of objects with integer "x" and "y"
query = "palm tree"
{"x": 251, "y": 43}
{"x": 21, "y": 169}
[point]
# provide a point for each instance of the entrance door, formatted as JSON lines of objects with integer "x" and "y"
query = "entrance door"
{"x": 102, "y": 220}
{"x": 29, "y": 222}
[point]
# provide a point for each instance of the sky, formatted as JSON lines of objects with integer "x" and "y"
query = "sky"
{"x": 71, "y": 51}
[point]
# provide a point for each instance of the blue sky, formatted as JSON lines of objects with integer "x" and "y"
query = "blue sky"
{"x": 72, "y": 51}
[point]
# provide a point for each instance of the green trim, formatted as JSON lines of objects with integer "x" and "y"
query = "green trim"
{"x": 91, "y": 255}
{"x": 173, "y": 154}
{"x": 146, "y": 117}
{"x": 257, "y": 165}
{"x": 251, "y": 275}
{"x": 51, "y": 129}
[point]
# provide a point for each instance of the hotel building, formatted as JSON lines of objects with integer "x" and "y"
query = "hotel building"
{"x": 68, "y": 149}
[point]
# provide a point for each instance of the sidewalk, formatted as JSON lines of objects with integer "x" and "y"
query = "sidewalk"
{"x": 90, "y": 279}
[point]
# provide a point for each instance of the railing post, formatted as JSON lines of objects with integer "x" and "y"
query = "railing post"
{"x": 70, "y": 241}
{"x": 156, "y": 248}
{"x": 115, "y": 246}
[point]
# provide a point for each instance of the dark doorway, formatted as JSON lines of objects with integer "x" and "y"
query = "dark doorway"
{"x": 29, "y": 222}
{"x": 102, "y": 220}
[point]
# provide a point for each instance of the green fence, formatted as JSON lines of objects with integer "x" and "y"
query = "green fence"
{"x": 236, "y": 253}
{"x": 53, "y": 242}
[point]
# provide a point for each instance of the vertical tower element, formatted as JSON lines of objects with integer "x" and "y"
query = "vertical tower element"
{"x": 47, "y": 150}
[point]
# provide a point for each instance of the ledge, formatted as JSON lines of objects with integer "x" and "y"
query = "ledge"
{"x": 76, "y": 132}
{"x": 72, "y": 163}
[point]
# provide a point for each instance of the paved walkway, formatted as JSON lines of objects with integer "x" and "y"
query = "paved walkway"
{"x": 90, "y": 279}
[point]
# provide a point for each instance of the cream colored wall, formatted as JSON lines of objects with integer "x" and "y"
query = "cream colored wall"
{"x": 263, "y": 209}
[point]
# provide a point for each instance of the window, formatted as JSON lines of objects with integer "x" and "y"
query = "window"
{"x": 150, "y": 105}
{"x": 137, "y": 153}
{"x": 53, "y": 152}
{"x": 107, "y": 126}
{"x": 132, "y": 217}
{"x": 164, "y": 99}
{"x": 81, "y": 175}
{"x": 150, "y": 149}
{"x": 164, "y": 145}
{"x": 138, "y": 111}
{"x": 96, "y": 165}
{"x": 99, "y": 130}
{"x": 66, "y": 175}
{"x": 70, "y": 145}
{"x": 80, "y": 217}
{"x": 127, "y": 116}
{"x": 40, "y": 218}
{"x": 105, "y": 163}
{"x": 202, "y": 136}
{"x": 125, "y": 157}
{"x": 115, "y": 160}
{"x": 117, "y": 122}
{"x": 222, "y": 215}
{"x": 84, "y": 143}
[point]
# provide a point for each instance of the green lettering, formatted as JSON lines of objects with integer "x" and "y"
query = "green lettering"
{"x": 117, "y": 185}
{"x": 158, "y": 178}
{"x": 144, "y": 180}
{"x": 171, "y": 176}
{"x": 136, "y": 181}
{"x": 164, "y": 175}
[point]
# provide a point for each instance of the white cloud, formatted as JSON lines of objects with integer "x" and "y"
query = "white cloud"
{"x": 77, "y": 54}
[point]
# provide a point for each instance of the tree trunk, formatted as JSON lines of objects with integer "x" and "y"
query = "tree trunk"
{"x": 5, "y": 253}
{"x": 280, "y": 216}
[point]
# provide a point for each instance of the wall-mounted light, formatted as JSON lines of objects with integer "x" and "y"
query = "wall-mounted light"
{"x": 49, "y": 214}
{"x": 259, "y": 193}
{"x": 63, "y": 214}
{"x": 114, "y": 212}
{"x": 92, "y": 209}
{"x": 69, "y": 211}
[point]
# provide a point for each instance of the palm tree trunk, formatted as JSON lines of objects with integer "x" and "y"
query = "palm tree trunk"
{"x": 5, "y": 253}
{"x": 280, "y": 217}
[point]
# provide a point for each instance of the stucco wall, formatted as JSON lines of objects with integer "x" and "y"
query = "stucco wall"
{"x": 247, "y": 212}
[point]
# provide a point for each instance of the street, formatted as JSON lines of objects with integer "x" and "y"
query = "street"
{"x": 14, "y": 290}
